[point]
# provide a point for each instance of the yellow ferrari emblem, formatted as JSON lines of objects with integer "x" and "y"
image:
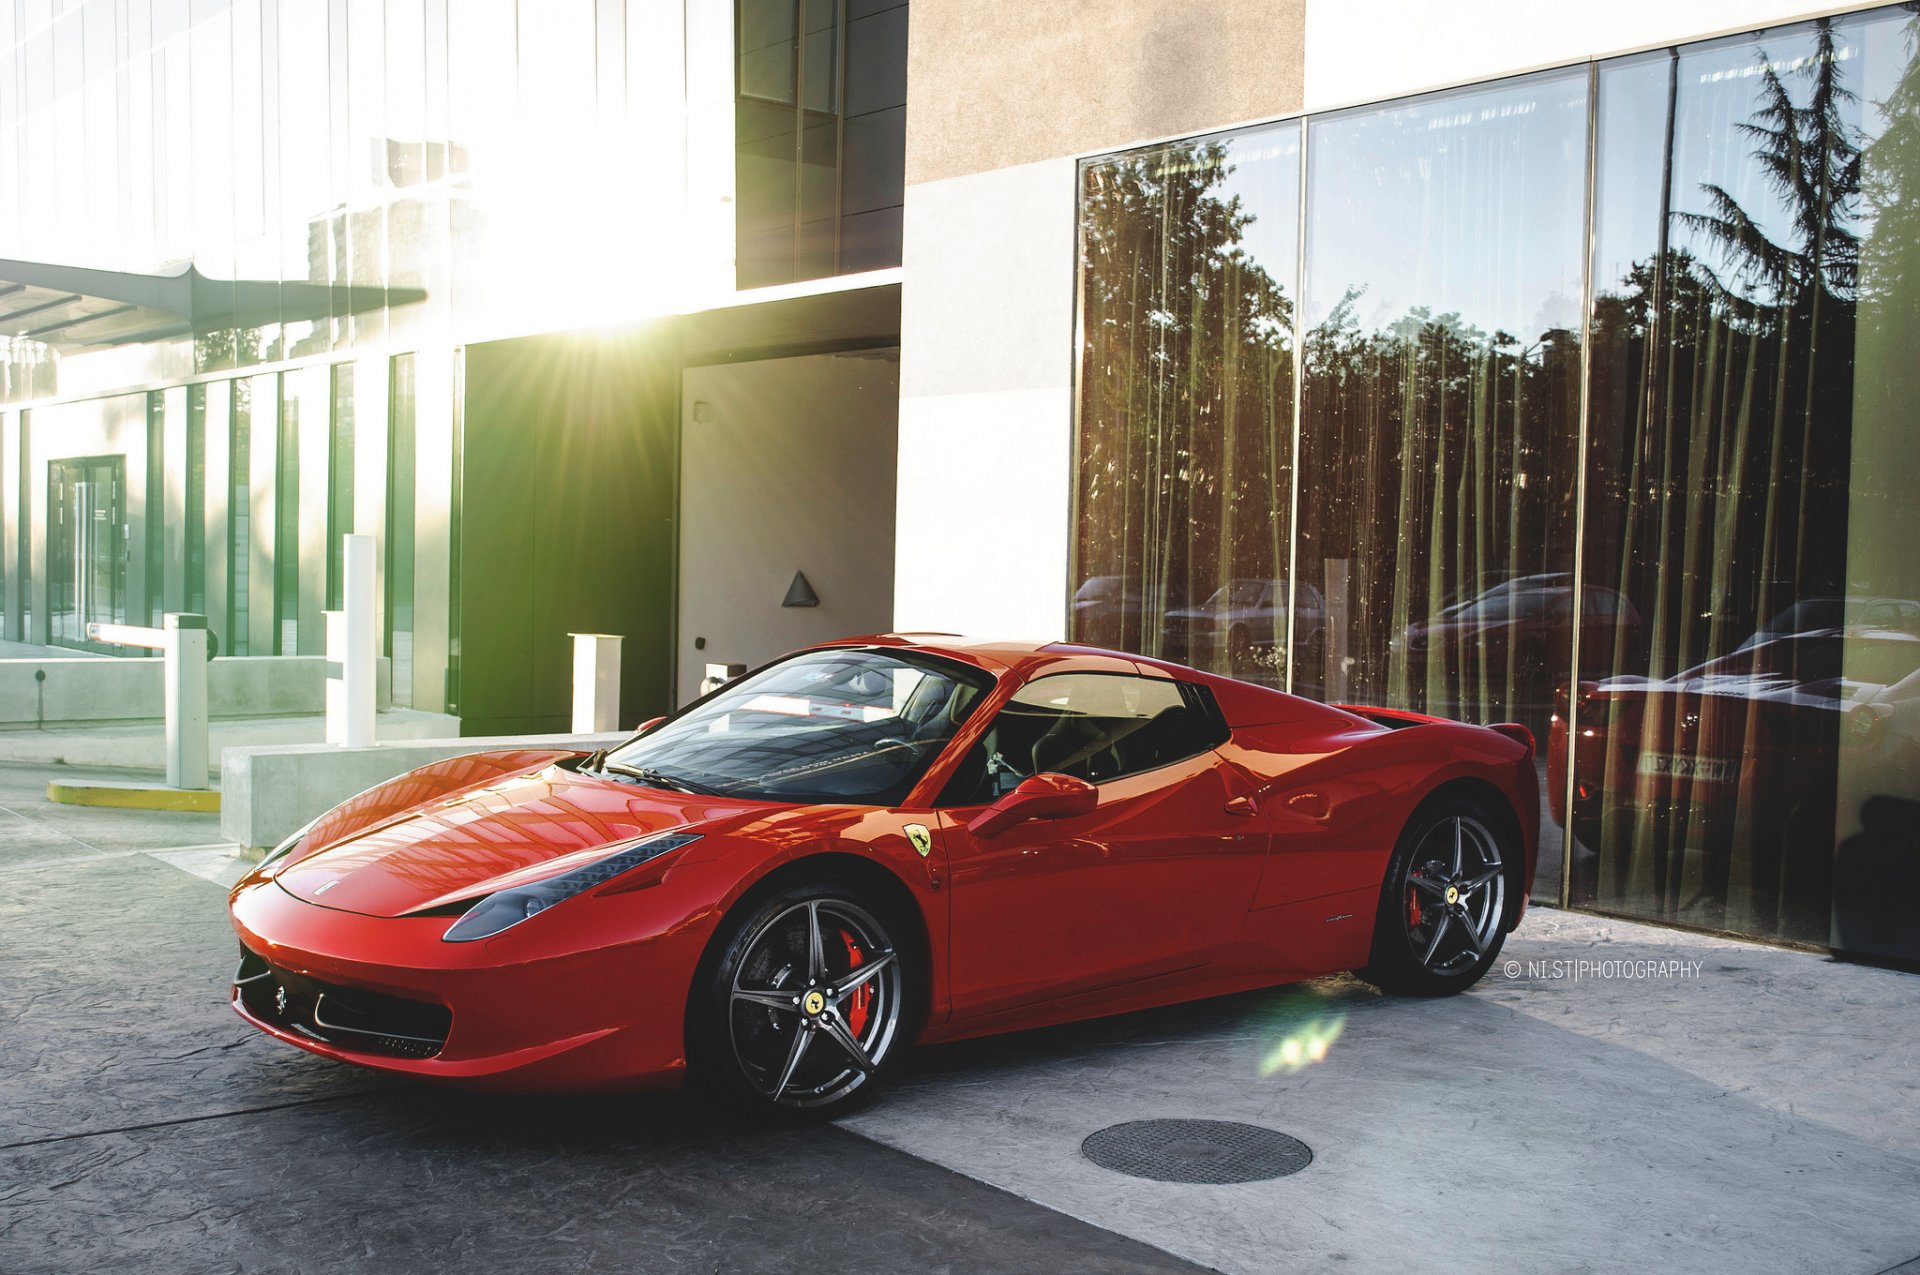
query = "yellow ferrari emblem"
{"x": 814, "y": 1002}
{"x": 920, "y": 838}
{"x": 1453, "y": 895}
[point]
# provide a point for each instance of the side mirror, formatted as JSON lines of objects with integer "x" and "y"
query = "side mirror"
{"x": 1042, "y": 796}
{"x": 648, "y": 725}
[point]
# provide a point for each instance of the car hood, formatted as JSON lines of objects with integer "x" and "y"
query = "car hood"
{"x": 522, "y": 829}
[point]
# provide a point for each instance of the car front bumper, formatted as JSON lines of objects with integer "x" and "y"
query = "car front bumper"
{"x": 513, "y": 1017}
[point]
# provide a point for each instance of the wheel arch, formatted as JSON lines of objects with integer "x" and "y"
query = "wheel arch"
{"x": 830, "y": 867}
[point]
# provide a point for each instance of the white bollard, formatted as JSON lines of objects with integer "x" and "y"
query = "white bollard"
{"x": 350, "y": 649}
{"x": 596, "y": 682}
{"x": 184, "y": 649}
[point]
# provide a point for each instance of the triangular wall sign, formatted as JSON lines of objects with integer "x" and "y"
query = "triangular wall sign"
{"x": 800, "y": 593}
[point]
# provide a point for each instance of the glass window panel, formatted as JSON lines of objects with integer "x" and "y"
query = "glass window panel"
{"x": 1184, "y": 479}
{"x": 1440, "y": 399}
{"x": 815, "y": 185}
{"x": 766, "y": 40}
{"x": 153, "y": 512}
{"x": 240, "y": 519}
{"x": 400, "y": 527}
{"x": 340, "y": 468}
{"x": 1746, "y": 750}
{"x": 820, "y": 57}
{"x": 194, "y": 504}
{"x": 286, "y": 516}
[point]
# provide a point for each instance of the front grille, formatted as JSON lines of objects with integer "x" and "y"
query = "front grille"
{"x": 350, "y": 1018}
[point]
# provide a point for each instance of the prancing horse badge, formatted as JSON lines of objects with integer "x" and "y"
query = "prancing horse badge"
{"x": 921, "y": 839}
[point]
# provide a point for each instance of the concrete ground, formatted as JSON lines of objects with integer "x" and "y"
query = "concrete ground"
{"x": 1719, "y": 1106}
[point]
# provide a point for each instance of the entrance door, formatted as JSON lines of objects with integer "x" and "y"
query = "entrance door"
{"x": 86, "y": 546}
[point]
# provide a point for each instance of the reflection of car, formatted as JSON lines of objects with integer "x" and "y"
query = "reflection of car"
{"x": 1104, "y": 607}
{"x": 776, "y": 890}
{"x": 1737, "y": 756}
{"x": 1241, "y": 628}
{"x": 1528, "y": 621}
{"x": 1810, "y": 615}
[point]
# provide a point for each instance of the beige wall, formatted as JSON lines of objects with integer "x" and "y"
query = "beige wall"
{"x": 993, "y": 83}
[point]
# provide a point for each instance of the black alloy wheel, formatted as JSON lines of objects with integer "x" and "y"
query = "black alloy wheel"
{"x": 1444, "y": 908}
{"x": 808, "y": 1006}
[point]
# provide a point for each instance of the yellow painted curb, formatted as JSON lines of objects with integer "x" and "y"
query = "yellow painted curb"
{"x": 134, "y": 797}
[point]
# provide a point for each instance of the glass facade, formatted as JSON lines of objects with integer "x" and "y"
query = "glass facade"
{"x": 1653, "y": 501}
{"x": 366, "y": 190}
{"x": 819, "y": 137}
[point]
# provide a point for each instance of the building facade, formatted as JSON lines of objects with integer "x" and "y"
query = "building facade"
{"x": 1398, "y": 353}
{"x": 1550, "y": 373}
{"x": 273, "y": 272}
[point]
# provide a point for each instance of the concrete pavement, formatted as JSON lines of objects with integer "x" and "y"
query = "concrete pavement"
{"x": 1711, "y": 1106}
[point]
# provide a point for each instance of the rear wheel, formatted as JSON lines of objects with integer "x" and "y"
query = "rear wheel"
{"x": 1443, "y": 907}
{"x": 807, "y": 1007}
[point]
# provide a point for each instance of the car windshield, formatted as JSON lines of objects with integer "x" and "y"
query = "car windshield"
{"x": 853, "y": 726}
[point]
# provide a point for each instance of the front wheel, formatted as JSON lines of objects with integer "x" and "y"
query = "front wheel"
{"x": 807, "y": 1007}
{"x": 1443, "y": 907}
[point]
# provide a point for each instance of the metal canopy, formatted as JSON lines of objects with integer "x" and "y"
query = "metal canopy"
{"x": 71, "y": 307}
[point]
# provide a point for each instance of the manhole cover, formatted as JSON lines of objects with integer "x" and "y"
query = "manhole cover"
{"x": 1213, "y": 1152}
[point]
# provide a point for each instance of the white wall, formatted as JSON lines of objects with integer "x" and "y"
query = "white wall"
{"x": 1365, "y": 50}
{"x": 986, "y": 403}
{"x": 786, "y": 465}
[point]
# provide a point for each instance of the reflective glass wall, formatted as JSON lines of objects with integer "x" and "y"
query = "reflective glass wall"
{"x": 820, "y": 132}
{"x": 1745, "y": 748}
{"x": 1188, "y": 297}
{"x": 1654, "y": 502}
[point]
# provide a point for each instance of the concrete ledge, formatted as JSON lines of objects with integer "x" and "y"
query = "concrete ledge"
{"x": 134, "y": 796}
{"x": 89, "y": 689}
{"x": 271, "y": 791}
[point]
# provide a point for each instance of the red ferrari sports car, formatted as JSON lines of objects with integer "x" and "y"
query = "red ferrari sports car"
{"x": 882, "y": 841}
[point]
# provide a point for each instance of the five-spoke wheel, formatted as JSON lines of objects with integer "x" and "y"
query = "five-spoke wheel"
{"x": 1443, "y": 909}
{"x": 808, "y": 1001}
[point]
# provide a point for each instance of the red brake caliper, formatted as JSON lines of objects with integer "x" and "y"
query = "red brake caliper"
{"x": 1413, "y": 908}
{"x": 862, "y": 1000}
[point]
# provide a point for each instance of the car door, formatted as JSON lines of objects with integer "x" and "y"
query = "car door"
{"x": 1156, "y": 878}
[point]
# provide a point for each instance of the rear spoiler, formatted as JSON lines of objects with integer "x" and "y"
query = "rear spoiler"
{"x": 1400, "y": 718}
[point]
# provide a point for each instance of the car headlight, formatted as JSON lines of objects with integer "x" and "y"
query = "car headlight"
{"x": 507, "y": 908}
{"x": 286, "y": 847}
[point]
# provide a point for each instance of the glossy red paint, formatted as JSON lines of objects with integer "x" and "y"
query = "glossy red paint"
{"x": 1255, "y": 863}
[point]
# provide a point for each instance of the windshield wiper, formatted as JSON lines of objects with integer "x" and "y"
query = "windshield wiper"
{"x": 660, "y": 779}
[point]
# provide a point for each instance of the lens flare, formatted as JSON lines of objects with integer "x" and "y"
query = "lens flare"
{"x": 1300, "y": 1026}
{"x": 1307, "y": 1043}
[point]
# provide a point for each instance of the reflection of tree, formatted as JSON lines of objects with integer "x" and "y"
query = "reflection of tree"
{"x": 1723, "y": 415}
{"x": 1885, "y": 517}
{"x": 226, "y": 348}
{"x": 1730, "y": 363}
{"x": 1442, "y": 459}
{"x": 1186, "y": 388}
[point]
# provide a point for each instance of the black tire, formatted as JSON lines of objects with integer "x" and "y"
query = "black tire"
{"x": 760, "y": 991}
{"x": 1435, "y": 911}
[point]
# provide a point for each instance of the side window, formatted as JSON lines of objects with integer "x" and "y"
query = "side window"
{"x": 1093, "y": 726}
